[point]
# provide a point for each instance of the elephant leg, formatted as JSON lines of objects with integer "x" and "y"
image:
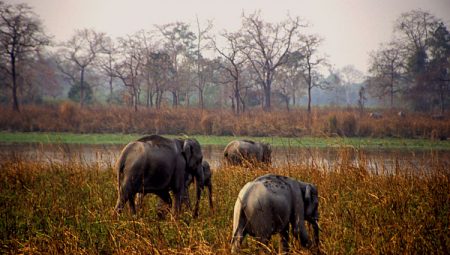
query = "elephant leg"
{"x": 210, "y": 196}
{"x": 119, "y": 204}
{"x": 197, "y": 203}
{"x": 186, "y": 198}
{"x": 167, "y": 203}
{"x": 300, "y": 232}
{"x": 236, "y": 241}
{"x": 123, "y": 197}
{"x": 178, "y": 200}
{"x": 139, "y": 200}
{"x": 285, "y": 239}
{"x": 132, "y": 204}
{"x": 315, "y": 226}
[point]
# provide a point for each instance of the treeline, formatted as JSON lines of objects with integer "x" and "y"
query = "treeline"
{"x": 260, "y": 65}
{"x": 325, "y": 122}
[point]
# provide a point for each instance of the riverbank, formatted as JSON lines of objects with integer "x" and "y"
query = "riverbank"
{"x": 314, "y": 142}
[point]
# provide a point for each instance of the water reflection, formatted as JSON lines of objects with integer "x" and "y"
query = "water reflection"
{"x": 379, "y": 160}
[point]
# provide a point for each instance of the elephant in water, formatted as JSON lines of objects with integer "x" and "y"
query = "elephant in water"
{"x": 269, "y": 204}
{"x": 203, "y": 180}
{"x": 154, "y": 164}
{"x": 239, "y": 152}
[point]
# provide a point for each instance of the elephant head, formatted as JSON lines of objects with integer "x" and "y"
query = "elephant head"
{"x": 311, "y": 203}
{"x": 192, "y": 152}
{"x": 266, "y": 153}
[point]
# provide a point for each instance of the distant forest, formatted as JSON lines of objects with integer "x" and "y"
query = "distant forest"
{"x": 261, "y": 65}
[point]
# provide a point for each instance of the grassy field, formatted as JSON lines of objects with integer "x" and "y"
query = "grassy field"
{"x": 315, "y": 142}
{"x": 68, "y": 208}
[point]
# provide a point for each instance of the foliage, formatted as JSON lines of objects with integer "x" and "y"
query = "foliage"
{"x": 75, "y": 90}
{"x": 68, "y": 208}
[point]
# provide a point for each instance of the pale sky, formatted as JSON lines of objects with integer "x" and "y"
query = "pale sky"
{"x": 350, "y": 28}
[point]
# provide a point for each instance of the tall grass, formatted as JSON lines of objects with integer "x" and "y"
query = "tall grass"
{"x": 68, "y": 208}
{"x": 68, "y": 117}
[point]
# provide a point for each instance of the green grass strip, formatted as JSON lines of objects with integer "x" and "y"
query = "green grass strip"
{"x": 317, "y": 142}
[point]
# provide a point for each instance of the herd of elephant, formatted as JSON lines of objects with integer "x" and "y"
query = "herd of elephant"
{"x": 268, "y": 205}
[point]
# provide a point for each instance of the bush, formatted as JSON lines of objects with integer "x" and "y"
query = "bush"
{"x": 348, "y": 127}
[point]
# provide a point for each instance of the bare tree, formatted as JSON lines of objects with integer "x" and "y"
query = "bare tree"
{"x": 160, "y": 70}
{"x": 267, "y": 46}
{"x": 386, "y": 68}
{"x": 128, "y": 66}
{"x": 414, "y": 29}
{"x": 290, "y": 78}
{"x": 21, "y": 34}
{"x": 148, "y": 48}
{"x": 233, "y": 64}
{"x": 106, "y": 63}
{"x": 178, "y": 42}
{"x": 349, "y": 75}
{"x": 311, "y": 63}
{"x": 80, "y": 51}
{"x": 201, "y": 62}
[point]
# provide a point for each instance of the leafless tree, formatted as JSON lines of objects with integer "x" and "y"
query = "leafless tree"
{"x": 311, "y": 63}
{"x": 233, "y": 63}
{"x": 106, "y": 62}
{"x": 21, "y": 34}
{"x": 267, "y": 46}
{"x": 160, "y": 70}
{"x": 349, "y": 75}
{"x": 79, "y": 53}
{"x": 386, "y": 68}
{"x": 178, "y": 42}
{"x": 128, "y": 66}
{"x": 289, "y": 79}
{"x": 202, "y": 64}
{"x": 148, "y": 48}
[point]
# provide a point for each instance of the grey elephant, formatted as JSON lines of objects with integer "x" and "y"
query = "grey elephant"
{"x": 269, "y": 204}
{"x": 202, "y": 180}
{"x": 154, "y": 164}
{"x": 238, "y": 152}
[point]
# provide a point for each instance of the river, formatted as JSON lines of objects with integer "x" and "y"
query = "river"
{"x": 328, "y": 158}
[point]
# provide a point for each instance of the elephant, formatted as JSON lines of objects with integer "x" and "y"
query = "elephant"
{"x": 203, "y": 179}
{"x": 155, "y": 164}
{"x": 238, "y": 152}
{"x": 269, "y": 204}
{"x": 375, "y": 115}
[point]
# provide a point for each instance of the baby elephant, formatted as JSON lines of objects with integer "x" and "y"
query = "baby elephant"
{"x": 268, "y": 205}
{"x": 203, "y": 179}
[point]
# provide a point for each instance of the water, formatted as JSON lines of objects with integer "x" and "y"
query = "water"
{"x": 328, "y": 158}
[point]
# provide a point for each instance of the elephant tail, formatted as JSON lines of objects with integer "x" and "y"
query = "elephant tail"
{"x": 120, "y": 166}
{"x": 239, "y": 216}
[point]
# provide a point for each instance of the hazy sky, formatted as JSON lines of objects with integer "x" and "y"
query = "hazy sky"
{"x": 351, "y": 28}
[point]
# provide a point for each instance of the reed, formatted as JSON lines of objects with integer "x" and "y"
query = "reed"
{"x": 325, "y": 122}
{"x": 67, "y": 207}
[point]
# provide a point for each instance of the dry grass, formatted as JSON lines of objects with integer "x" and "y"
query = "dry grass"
{"x": 67, "y": 208}
{"x": 68, "y": 117}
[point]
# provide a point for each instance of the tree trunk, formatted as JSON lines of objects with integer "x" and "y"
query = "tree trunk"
{"x": 309, "y": 100}
{"x": 82, "y": 87}
{"x": 148, "y": 96}
{"x": 233, "y": 107}
{"x": 14, "y": 85}
{"x": 267, "y": 104}
{"x": 287, "y": 103}
{"x": 201, "y": 100}
{"x": 174, "y": 99}
{"x": 110, "y": 90}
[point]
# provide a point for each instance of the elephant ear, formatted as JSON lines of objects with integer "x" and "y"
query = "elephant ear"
{"x": 308, "y": 194}
{"x": 310, "y": 200}
{"x": 187, "y": 152}
{"x": 200, "y": 176}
